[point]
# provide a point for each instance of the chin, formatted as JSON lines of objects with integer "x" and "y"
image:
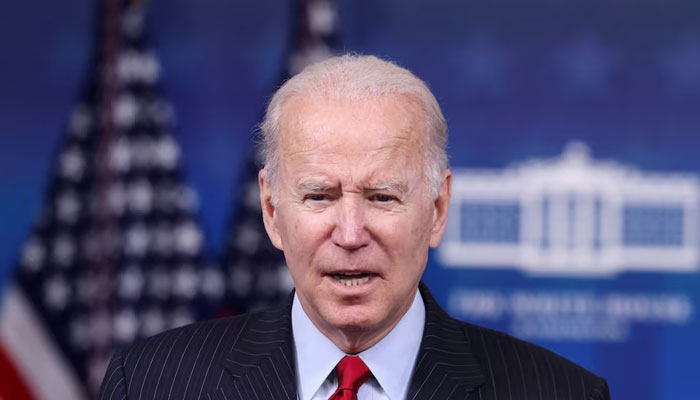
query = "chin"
{"x": 355, "y": 325}
{"x": 355, "y": 320}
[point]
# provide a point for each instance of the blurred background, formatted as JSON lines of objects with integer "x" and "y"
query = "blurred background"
{"x": 127, "y": 194}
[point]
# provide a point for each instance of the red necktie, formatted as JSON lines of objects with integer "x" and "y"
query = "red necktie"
{"x": 352, "y": 373}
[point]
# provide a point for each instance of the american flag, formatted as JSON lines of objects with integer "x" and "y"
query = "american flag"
{"x": 116, "y": 254}
{"x": 257, "y": 273}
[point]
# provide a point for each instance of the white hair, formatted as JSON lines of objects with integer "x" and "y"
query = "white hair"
{"x": 354, "y": 77}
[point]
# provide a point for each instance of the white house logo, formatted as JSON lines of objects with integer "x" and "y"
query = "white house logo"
{"x": 571, "y": 215}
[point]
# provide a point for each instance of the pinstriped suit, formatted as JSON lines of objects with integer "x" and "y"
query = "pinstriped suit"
{"x": 252, "y": 357}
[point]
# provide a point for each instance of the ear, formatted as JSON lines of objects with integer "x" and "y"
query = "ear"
{"x": 441, "y": 206}
{"x": 268, "y": 210}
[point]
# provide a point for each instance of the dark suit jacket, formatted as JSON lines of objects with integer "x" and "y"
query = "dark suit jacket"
{"x": 251, "y": 356}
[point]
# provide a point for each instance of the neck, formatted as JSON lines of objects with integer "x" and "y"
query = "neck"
{"x": 355, "y": 338}
{"x": 353, "y": 341}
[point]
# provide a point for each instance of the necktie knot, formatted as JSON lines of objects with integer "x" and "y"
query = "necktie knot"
{"x": 352, "y": 373}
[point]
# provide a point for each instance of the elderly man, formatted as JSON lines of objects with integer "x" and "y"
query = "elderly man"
{"x": 355, "y": 190}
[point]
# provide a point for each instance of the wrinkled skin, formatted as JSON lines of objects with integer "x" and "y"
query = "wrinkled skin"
{"x": 354, "y": 200}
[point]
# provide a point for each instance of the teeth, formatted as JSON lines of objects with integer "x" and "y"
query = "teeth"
{"x": 352, "y": 281}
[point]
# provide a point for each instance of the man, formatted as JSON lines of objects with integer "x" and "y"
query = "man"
{"x": 355, "y": 190}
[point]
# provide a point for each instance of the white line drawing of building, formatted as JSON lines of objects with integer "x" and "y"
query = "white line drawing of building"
{"x": 572, "y": 215}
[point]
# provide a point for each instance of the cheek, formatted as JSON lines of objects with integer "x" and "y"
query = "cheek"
{"x": 286, "y": 226}
{"x": 405, "y": 237}
{"x": 421, "y": 224}
{"x": 302, "y": 233}
{"x": 308, "y": 227}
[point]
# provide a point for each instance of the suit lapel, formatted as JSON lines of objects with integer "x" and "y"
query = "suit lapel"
{"x": 261, "y": 364}
{"x": 446, "y": 367}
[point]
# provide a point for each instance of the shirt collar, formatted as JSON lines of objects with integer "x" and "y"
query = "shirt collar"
{"x": 391, "y": 360}
{"x": 316, "y": 355}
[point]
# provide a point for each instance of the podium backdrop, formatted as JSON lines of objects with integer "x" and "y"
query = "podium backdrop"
{"x": 574, "y": 138}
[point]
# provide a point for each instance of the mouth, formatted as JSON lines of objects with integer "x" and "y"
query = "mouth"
{"x": 352, "y": 278}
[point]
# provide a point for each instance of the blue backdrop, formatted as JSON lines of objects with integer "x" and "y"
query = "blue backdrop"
{"x": 615, "y": 289}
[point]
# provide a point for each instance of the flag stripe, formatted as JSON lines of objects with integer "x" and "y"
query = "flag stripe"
{"x": 116, "y": 254}
{"x": 33, "y": 353}
{"x": 14, "y": 386}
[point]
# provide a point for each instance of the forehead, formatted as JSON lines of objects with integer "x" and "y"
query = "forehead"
{"x": 386, "y": 126}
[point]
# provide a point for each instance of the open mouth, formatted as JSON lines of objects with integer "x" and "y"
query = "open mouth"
{"x": 352, "y": 278}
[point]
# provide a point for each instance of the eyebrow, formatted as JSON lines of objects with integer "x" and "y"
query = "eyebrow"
{"x": 394, "y": 186}
{"x": 315, "y": 185}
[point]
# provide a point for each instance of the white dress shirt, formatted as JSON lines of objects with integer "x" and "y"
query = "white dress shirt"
{"x": 391, "y": 360}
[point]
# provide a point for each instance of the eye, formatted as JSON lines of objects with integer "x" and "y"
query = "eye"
{"x": 316, "y": 197}
{"x": 383, "y": 198}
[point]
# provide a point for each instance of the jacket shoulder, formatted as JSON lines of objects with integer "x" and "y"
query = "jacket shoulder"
{"x": 180, "y": 363}
{"x": 186, "y": 336}
{"x": 517, "y": 366}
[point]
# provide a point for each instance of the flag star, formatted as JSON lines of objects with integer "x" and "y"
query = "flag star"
{"x": 57, "y": 293}
{"x": 212, "y": 283}
{"x": 68, "y": 207}
{"x": 126, "y": 110}
{"x": 150, "y": 69}
{"x": 140, "y": 196}
{"x": 166, "y": 153}
{"x": 63, "y": 250}
{"x": 34, "y": 254}
{"x": 186, "y": 282}
{"x": 120, "y": 155}
{"x": 586, "y": 66}
{"x": 135, "y": 66}
{"x": 72, "y": 164}
{"x": 321, "y": 17}
{"x": 682, "y": 66}
{"x": 125, "y": 66}
{"x": 188, "y": 238}
{"x": 137, "y": 240}
{"x": 130, "y": 284}
{"x": 125, "y": 325}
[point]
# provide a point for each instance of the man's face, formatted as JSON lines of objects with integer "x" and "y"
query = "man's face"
{"x": 354, "y": 216}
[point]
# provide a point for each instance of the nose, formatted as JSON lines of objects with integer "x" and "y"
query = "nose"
{"x": 350, "y": 231}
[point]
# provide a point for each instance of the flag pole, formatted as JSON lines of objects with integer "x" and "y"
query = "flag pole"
{"x": 103, "y": 269}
